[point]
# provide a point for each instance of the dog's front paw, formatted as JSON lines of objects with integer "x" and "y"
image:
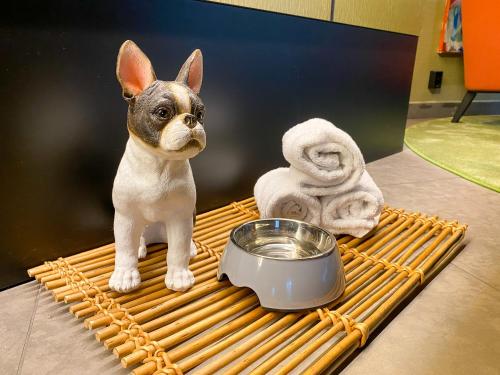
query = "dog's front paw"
{"x": 143, "y": 249}
{"x": 193, "y": 251}
{"x": 124, "y": 279}
{"x": 179, "y": 279}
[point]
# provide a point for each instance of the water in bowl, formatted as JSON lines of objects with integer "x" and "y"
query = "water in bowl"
{"x": 282, "y": 247}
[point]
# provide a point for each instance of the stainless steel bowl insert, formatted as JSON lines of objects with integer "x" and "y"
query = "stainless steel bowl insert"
{"x": 290, "y": 265}
{"x": 283, "y": 239}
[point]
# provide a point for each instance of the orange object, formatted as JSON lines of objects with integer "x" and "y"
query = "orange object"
{"x": 481, "y": 32}
{"x": 481, "y": 38}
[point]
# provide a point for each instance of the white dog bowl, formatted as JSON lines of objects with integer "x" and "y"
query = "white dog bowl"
{"x": 289, "y": 264}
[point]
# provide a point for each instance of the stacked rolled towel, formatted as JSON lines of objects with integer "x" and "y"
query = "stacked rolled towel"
{"x": 326, "y": 184}
{"x": 278, "y": 195}
{"x": 354, "y": 212}
{"x": 324, "y": 159}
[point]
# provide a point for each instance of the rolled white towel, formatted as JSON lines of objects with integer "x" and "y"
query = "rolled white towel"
{"x": 324, "y": 159}
{"x": 278, "y": 195}
{"x": 355, "y": 212}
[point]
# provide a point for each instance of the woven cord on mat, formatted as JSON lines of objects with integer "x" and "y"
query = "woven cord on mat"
{"x": 166, "y": 332}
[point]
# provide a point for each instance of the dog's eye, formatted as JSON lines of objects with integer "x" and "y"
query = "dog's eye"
{"x": 163, "y": 113}
{"x": 199, "y": 115}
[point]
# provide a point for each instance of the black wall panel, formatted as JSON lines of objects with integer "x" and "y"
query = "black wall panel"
{"x": 62, "y": 118}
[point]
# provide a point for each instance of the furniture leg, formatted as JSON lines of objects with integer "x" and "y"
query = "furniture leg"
{"x": 466, "y": 101}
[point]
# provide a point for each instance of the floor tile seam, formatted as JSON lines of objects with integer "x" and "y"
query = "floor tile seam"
{"x": 381, "y": 185}
{"x": 28, "y": 333}
{"x": 475, "y": 276}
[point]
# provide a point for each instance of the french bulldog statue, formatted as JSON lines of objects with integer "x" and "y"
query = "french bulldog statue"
{"x": 154, "y": 193}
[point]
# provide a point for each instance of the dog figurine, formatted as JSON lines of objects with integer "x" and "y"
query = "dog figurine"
{"x": 154, "y": 194}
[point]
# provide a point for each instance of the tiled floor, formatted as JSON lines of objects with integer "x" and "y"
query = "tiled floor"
{"x": 451, "y": 327}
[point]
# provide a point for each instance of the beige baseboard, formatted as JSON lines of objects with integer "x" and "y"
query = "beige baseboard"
{"x": 447, "y": 109}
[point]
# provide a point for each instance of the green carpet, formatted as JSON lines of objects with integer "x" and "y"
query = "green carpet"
{"x": 470, "y": 149}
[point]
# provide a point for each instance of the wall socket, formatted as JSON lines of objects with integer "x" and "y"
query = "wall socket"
{"x": 435, "y": 79}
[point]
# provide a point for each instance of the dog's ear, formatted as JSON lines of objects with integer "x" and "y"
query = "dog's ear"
{"x": 191, "y": 73}
{"x": 133, "y": 70}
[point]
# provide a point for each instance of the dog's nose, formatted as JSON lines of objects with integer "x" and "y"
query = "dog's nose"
{"x": 190, "y": 121}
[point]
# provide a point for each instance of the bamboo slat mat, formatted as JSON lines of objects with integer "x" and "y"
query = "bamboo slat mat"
{"x": 217, "y": 327}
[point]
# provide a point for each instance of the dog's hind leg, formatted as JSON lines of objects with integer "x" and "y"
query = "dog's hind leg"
{"x": 143, "y": 248}
{"x": 153, "y": 233}
{"x": 193, "y": 250}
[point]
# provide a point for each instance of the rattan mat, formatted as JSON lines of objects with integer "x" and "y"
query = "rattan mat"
{"x": 217, "y": 327}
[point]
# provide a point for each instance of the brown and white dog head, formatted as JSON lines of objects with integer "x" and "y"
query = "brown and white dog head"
{"x": 166, "y": 116}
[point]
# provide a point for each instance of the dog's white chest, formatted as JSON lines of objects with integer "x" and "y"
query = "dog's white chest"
{"x": 153, "y": 188}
